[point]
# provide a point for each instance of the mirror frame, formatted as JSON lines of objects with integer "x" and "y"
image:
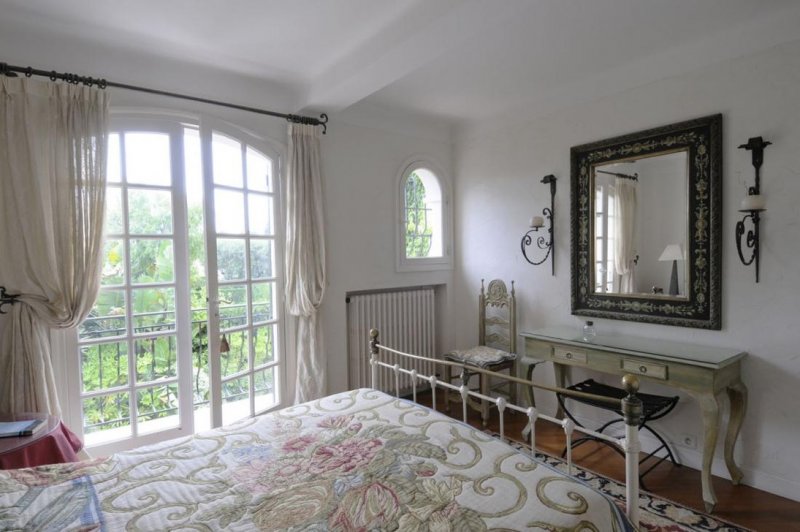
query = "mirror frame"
{"x": 702, "y": 137}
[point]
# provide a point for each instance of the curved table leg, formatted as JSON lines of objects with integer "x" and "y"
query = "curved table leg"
{"x": 737, "y": 394}
{"x": 709, "y": 406}
{"x": 561, "y": 382}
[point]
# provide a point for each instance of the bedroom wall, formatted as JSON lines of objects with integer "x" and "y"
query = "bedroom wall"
{"x": 498, "y": 168}
{"x": 362, "y": 160}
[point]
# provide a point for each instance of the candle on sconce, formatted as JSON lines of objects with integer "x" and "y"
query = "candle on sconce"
{"x": 537, "y": 222}
{"x": 753, "y": 202}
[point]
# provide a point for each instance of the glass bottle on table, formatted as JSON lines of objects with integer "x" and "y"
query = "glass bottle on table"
{"x": 588, "y": 331}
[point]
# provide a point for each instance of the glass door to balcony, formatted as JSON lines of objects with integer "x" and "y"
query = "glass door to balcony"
{"x": 242, "y": 280}
{"x": 185, "y": 332}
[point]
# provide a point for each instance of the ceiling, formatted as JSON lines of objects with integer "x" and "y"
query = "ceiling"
{"x": 462, "y": 61}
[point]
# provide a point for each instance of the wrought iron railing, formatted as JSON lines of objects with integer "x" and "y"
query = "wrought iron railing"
{"x": 237, "y": 340}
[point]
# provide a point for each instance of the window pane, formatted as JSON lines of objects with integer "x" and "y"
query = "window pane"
{"x": 235, "y": 399}
{"x": 104, "y": 366}
{"x": 193, "y": 166}
{"x": 113, "y": 165}
{"x": 598, "y": 249}
{"x": 230, "y": 259}
{"x": 261, "y": 266}
{"x": 263, "y": 345}
{"x": 418, "y": 230}
{"x": 229, "y": 212}
{"x": 237, "y": 358}
{"x": 107, "y": 318}
{"x": 156, "y": 358}
{"x": 263, "y": 302}
{"x": 149, "y": 212}
{"x": 264, "y": 384}
{"x": 153, "y": 310}
{"x": 227, "y": 156}
{"x": 113, "y": 262}
{"x": 151, "y": 261}
{"x": 114, "y": 222}
{"x": 147, "y": 159}
{"x": 106, "y": 418}
{"x": 259, "y": 210}
{"x": 232, "y": 306}
{"x": 259, "y": 171}
{"x": 157, "y": 407}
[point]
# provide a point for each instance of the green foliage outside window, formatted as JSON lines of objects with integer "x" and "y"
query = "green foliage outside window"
{"x": 106, "y": 365}
{"x": 418, "y": 232}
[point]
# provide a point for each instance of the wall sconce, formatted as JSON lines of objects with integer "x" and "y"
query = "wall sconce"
{"x": 537, "y": 222}
{"x": 752, "y": 205}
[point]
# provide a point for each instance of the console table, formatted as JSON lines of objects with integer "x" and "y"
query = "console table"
{"x": 705, "y": 373}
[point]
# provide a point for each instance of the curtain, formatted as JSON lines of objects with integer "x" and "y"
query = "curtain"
{"x": 53, "y": 139}
{"x": 624, "y": 239}
{"x": 305, "y": 257}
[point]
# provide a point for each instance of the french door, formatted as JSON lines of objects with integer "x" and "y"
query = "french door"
{"x": 186, "y": 330}
{"x": 243, "y": 278}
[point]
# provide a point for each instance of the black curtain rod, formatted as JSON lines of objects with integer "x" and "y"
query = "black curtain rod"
{"x": 12, "y": 70}
{"x": 634, "y": 177}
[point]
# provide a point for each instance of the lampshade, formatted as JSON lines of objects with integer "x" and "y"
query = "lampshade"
{"x": 672, "y": 252}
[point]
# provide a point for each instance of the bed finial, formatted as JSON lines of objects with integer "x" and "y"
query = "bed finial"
{"x": 373, "y": 359}
{"x": 631, "y": 405}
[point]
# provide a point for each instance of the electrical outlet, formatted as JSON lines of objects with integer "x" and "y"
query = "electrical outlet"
{"x": 688, "y": 440}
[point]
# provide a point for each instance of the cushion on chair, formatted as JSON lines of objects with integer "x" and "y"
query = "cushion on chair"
{"x": 481, "y": 356}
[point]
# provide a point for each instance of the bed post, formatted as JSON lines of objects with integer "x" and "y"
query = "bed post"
{"x": 373, "y": 359}
{"x": 632, "y": 412}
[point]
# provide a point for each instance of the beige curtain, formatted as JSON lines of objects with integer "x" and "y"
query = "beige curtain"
{"x": 53, "y": 139}
{"x": 305, "y": 257}
{"x": 624, "y": 239}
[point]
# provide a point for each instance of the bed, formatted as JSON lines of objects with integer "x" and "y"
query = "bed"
{"x": 358, "y": 460}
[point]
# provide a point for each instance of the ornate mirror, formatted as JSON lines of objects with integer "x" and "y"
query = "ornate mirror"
{"x": 646, "y": 225}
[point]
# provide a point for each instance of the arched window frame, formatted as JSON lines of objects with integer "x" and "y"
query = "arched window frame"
{"x": 410, "y": 264}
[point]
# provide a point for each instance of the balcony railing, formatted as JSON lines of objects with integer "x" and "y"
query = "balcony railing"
{"x": 157, "y": 360}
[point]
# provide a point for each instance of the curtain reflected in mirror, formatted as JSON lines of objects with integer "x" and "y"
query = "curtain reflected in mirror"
{"x": 640, "y": 208}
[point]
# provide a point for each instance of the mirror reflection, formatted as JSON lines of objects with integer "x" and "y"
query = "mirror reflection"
{"x": 640, "y": 225}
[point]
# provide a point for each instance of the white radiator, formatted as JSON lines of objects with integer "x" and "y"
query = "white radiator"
{"x": 406, "y": 320}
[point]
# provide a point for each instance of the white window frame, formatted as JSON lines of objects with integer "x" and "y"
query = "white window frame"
{"x": 67, "y": 360}
{"x": 409, "y": 264}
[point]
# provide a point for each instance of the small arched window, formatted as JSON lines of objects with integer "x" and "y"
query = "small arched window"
{"x": 424, "y": 230}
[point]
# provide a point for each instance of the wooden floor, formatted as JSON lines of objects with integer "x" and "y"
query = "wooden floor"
{"x": 741, "y": 504}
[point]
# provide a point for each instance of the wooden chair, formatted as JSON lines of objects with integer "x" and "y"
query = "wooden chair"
{"x": 497, "y": 344}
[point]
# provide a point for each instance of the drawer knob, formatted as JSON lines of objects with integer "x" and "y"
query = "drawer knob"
{"x": 569, "y": 355}
{"x": 643, "y": 369}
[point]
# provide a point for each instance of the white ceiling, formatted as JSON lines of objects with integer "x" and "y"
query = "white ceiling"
{"x": 463, "y": 61}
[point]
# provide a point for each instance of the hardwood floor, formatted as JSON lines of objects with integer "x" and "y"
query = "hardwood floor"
{"x": 743, "y": 505}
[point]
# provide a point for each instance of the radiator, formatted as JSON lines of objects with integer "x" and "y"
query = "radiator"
{"x": 406, "y": 320}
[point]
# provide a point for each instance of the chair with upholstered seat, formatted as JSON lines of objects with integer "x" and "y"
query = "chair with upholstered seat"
{"x": 497, "y": 343}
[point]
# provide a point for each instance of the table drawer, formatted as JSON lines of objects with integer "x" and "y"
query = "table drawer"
{"x": 573, "y": 356}
{"x": 640, "y": 367}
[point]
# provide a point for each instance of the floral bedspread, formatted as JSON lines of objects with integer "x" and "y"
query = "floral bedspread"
{"x": 360, "y": 460}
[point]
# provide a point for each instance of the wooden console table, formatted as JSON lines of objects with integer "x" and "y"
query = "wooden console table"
{"x": 705, "y": 373}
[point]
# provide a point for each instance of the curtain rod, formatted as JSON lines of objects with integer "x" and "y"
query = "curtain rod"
{"x": 12, "y": 70}
{"x": 634, "y": 177}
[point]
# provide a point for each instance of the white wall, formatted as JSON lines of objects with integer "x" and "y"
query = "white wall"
{"x": 498, "y": 169}
{"x": 361, "y": 166}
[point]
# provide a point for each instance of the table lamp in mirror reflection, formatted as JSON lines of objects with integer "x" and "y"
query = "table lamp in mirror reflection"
{"x": 672, "y": 252}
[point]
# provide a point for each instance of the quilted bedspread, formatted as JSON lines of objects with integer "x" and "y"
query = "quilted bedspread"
{"x": 360, "y": 460}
